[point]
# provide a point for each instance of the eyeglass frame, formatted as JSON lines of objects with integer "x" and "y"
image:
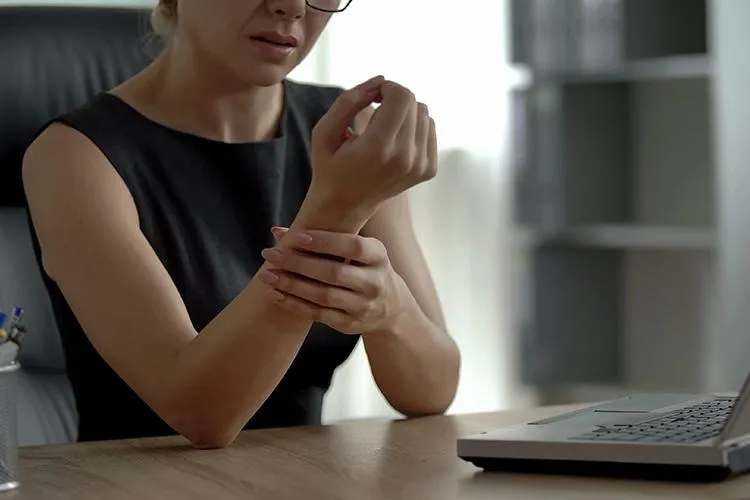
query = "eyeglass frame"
{"x": 337, "y": 11}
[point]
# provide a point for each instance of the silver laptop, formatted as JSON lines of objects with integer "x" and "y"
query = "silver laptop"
{"x": 650, "y": 436}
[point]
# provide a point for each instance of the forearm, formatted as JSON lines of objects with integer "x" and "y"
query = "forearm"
{"x": 221, "y": 377}
{"x": 415, "y": 363}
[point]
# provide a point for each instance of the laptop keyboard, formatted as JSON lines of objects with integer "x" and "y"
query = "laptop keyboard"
{"x": 686, "y": 425}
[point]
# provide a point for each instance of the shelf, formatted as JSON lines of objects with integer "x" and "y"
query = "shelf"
{"x": 615, "y": 193}
{"x": 662, "y": 68}
{"x": 567, "y": 34}
{"x": 624, "y": 237}
{"x": 628, "y": 155}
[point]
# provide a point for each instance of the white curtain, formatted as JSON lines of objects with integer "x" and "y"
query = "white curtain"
{"x": 453, "y": 56}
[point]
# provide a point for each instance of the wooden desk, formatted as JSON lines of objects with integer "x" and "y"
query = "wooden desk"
{"x": 412, "y": 460}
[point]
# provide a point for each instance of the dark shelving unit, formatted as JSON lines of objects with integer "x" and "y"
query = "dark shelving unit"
{"x": 615, "y": 191}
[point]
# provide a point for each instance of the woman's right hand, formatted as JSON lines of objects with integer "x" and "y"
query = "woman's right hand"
{"x": 396, "y": 151}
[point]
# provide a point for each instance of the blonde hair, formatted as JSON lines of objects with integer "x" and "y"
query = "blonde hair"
{"x": 164, "y": 17}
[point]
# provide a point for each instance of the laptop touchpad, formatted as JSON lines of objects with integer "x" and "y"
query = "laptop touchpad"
{"x": 638, "y": 404}
{"x": 646, "y": 402}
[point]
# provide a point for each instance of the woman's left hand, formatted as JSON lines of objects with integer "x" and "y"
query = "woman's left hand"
{"x": 342, "y": 280}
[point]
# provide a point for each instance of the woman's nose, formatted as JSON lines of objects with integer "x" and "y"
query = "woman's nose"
{"x": 287, "y": 9}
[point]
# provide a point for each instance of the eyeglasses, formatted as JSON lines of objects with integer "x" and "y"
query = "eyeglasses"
{"x": 329, "y": 5}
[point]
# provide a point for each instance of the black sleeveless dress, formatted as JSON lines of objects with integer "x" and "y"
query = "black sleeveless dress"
{"x": 207, "y": 208}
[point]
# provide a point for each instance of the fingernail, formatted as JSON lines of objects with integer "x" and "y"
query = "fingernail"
{"x": 303, "y": 238}
{"x": 373, "y": 82}
{"x": 274, "y": 295}
{"x": 268, "y": 277}
{"x": 349, "y": 134}
{"x": 271, "y": 255}
{"x": 278, "y": 232}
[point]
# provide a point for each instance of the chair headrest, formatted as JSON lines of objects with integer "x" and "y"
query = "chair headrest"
{"x": 53, "y": 60}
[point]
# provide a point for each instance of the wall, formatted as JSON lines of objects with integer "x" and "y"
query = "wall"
{"x": 728, "y": 347}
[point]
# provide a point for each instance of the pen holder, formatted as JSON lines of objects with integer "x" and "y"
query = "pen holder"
{"x": 8, "y": 428}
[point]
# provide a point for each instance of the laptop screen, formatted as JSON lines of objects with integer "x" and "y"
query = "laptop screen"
{"x": 738, "y": 424}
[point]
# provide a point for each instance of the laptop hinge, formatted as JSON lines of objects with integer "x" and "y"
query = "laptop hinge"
{"x": 733, "y": 442}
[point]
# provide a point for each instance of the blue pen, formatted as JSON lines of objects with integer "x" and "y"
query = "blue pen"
{"x": 15, "y": 319}
{"x": 3, "y": 333}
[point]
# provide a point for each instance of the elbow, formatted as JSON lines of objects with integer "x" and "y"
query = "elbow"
{"x": 435, "y": 399}
{"x": 209, "y": 439}
{"x": 425, "y": 409}
{"x": 206, "y": 437}
{"x": 203, "y": 430}
{"x": 200, "y": 416}
{"x": 431, "y": 403}
{"x": 432, "y": 397}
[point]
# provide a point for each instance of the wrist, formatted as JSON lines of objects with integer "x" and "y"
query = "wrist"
{"x": 324, "y": 211}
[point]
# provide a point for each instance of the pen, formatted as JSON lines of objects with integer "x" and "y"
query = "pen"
{"x": 15, "y": 318}
{"x": 3, "y": 333}
{"x": 17, "y": 334}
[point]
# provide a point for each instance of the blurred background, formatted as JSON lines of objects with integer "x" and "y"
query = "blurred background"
{"x": 586, "y": 228}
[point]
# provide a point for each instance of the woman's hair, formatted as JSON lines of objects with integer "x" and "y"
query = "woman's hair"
{"x": 164, "y": 17}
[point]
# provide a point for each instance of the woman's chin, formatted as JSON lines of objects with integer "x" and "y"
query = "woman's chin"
{"x": 263, "y": 75}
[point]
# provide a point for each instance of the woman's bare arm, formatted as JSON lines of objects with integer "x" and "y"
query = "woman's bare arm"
{"x": 204, "y": 386}
{"x": 415, "y": 365}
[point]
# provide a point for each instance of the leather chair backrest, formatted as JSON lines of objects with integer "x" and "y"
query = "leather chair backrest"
{"x": 52, "y": 60}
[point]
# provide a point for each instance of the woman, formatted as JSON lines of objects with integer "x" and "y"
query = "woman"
{"x": 180, "y": 309}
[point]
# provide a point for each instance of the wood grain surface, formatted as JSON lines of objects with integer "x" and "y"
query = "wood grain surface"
{"x": 414, "y": 460}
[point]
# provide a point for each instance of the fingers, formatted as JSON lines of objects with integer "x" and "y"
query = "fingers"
{"x": 422, "y": 136}
{"x": 278, "y": 232}
{"x": 333, "y": 125}
{"x": 339, "y": 308}
{"x": 408, "y": 132}
{"x": 401, "y": 118}
{"x": 324, "y": 270}
{"x": 432, "y": 151}
{"x": 335, "y": 318}
{"x": 314, "y": 292}
{"x": 388, "y": 119}
{"x": 351, "y": 247}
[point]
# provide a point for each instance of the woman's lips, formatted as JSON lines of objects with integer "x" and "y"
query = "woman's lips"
{"x": 274, "y": 46}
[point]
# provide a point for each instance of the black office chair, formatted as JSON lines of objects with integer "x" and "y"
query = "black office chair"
{"x": 52, "y": 59}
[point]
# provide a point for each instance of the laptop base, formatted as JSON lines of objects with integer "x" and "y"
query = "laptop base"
{"x": 651, "y": 472}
